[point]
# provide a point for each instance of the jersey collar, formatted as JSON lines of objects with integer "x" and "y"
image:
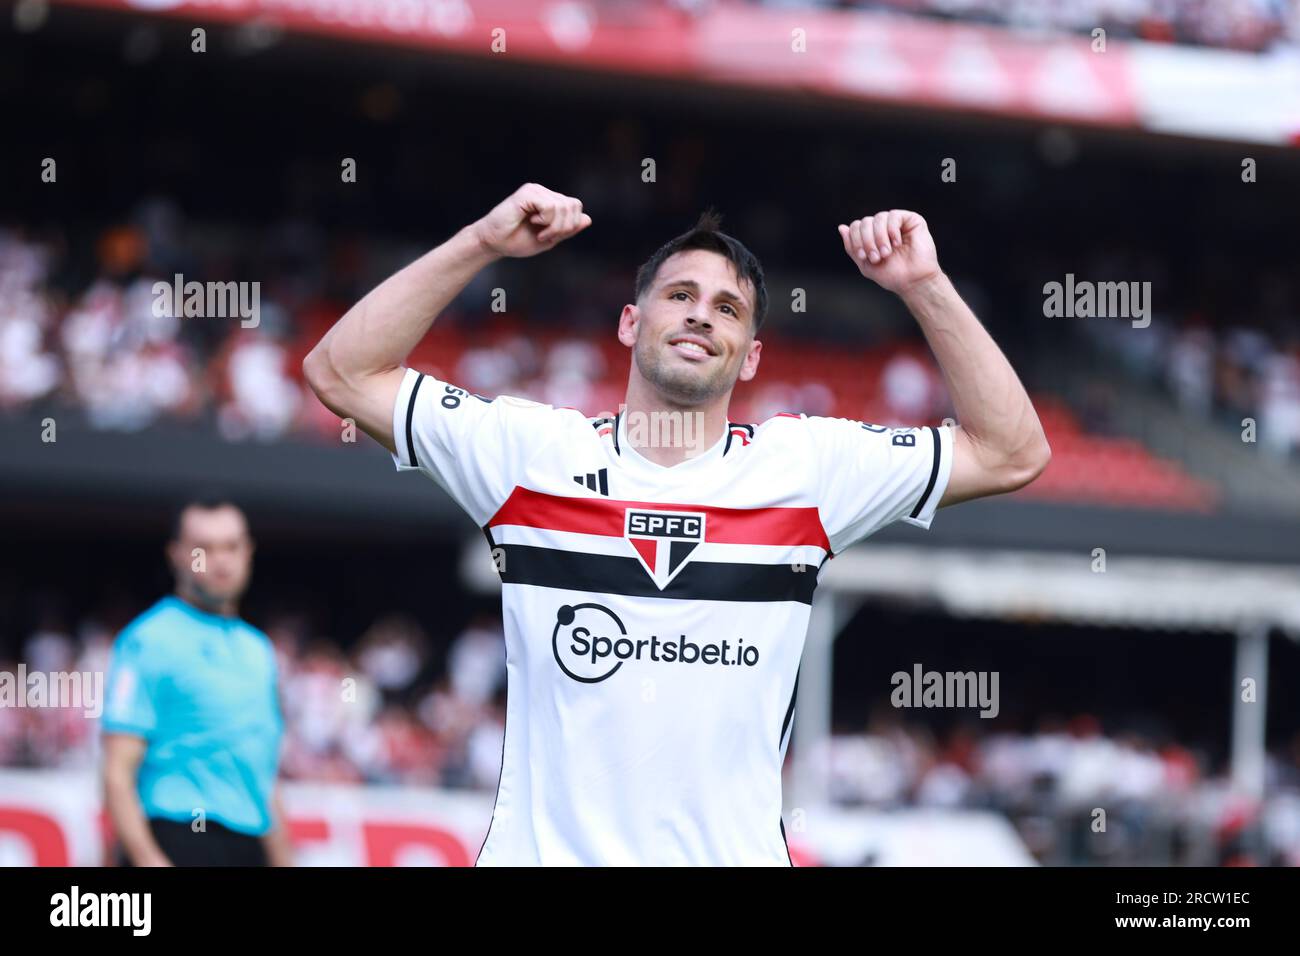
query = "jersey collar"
{"x": 632, "y": 456}
{"x": 198, "y": 613}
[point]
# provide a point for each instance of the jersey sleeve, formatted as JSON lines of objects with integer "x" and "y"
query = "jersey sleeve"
{"x": 474, "y": 448}
{"x": 871, "y": 476}
{"x": 129, "y": 707}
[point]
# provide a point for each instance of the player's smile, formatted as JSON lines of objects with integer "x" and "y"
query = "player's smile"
{"x": 693, "y": 348}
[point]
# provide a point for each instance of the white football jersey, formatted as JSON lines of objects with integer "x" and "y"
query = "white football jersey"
{"x": 655, "y": 616}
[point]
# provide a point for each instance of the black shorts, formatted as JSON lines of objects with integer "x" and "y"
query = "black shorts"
{"x": 215, "y": 846}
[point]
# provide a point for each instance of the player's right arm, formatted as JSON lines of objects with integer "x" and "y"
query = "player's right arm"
{"x": 356, "y": 369}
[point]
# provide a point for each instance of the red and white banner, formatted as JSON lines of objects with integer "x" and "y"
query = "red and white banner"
{"x": 848, "y": 55}
{"x": 55, "y": 818}
{"x": 837, "y": 54}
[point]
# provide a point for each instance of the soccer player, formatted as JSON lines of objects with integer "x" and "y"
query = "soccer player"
{"x": 656, "y": 594}
{"x": 192, "y": 721}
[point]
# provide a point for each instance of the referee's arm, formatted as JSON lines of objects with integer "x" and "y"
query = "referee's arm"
{"x": 279, "y": 849}
{"x": 123, "y": 754}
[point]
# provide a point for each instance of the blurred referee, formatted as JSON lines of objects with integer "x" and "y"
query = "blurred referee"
{"x": 192, "y": 723}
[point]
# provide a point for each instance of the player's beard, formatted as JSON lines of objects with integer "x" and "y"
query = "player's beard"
{"x": 681, "y": 382}
{"x": 212, "y": 599}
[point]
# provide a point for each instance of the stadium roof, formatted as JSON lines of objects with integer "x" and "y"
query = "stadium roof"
{"x": 1080, "y": 588}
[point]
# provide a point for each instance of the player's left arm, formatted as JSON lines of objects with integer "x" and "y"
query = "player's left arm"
{"x": 999, "y": 445}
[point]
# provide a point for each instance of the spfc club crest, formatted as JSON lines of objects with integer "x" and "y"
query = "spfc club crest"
{"x": 663, "y": 540}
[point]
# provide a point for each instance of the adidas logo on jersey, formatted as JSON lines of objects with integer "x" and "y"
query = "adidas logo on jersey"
{"x": 595, "y": 481}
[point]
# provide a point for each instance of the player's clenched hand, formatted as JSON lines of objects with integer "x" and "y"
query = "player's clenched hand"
{"x": 892, "y": 248}
{"x": 530, "y": 220}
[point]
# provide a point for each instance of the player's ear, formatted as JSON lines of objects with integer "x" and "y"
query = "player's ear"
{"x": 627, "y": 323}
{"x": 749, "y": 367}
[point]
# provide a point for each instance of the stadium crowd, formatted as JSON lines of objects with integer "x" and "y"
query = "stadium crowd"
{"x": 91, "y": 338}
{"x": 1165, "y": 801}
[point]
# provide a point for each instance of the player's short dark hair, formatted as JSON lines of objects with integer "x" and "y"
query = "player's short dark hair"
{"x": 206, "y": 500}
{"x": 705, "y": 234}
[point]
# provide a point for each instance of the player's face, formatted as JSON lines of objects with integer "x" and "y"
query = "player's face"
{"x": 213, "y": 556}
{"x": 692, "y": 334}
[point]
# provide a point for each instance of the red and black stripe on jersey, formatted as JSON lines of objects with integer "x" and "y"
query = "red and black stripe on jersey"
{"x": 575, "y": 570}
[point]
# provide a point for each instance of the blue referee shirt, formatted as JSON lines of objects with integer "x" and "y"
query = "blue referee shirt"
{"x": 201, "y": 690}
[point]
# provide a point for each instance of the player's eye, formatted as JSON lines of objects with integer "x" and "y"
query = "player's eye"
{"x": 676, "y": 294}
{"x": 731, "y": 307}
